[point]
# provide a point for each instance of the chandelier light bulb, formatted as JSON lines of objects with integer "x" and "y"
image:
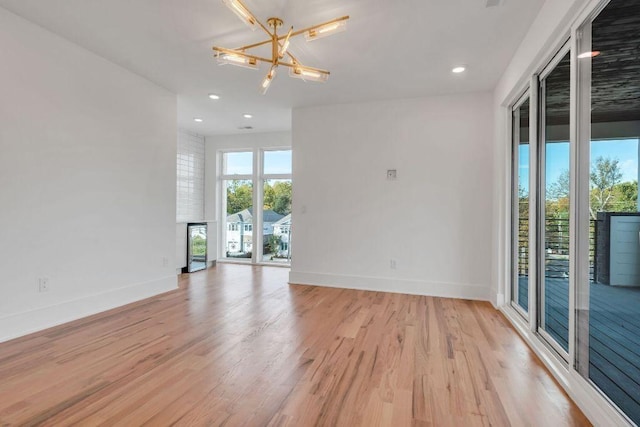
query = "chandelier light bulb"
{"x": 264, "y": 87}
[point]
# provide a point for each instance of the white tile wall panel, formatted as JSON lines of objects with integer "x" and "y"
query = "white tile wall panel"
{"x": 190, "y": 177}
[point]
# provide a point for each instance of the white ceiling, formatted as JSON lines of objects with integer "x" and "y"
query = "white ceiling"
{"x": 391, "y": 49}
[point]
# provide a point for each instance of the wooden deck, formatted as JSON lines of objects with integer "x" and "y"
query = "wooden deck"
{"x": 614, "y": 326}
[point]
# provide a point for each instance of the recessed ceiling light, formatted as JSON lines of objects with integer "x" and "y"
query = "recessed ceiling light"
{"x": 198, "y": 119}
{"x": 589, "y": 54}
{"x": 247, "y": 116}
{"x": 214, "y": 96}
{"x": 458, "y": 70}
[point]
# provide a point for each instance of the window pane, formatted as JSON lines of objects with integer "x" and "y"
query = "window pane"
{"x": 276, "y": 221}
{"x": 277, "y": 162}
{"x": 554, "y": 282}
{"x": 520, "y": 280}
{"x": 239, "y": 219}
{"x": 240, "y": 163}
{"x": 608, "y": 306}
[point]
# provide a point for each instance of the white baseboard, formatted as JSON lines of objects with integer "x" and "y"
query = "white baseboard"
{"x": 497, "y": 299}
{"x": 20, "y": 324}
{"x": 382, "y": 284}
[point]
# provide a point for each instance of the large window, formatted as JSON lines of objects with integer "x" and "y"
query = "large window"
{"x": 241, "y": 237}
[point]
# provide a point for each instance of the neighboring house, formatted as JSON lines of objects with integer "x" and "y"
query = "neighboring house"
{"x": 282, "y": 229}
{"x": 240, "y": 229}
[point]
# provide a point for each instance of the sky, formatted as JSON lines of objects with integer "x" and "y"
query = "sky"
{"x": 624, "y": 150}
{"x": 275, "y": 162}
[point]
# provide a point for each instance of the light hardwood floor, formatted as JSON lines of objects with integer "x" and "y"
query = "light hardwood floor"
{"x": 237, "y": 345}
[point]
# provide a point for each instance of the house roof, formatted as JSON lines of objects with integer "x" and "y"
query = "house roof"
{"x": 284, "y": 220}
{"x": 246, "y": 215}
{"x": 242, "y": 216}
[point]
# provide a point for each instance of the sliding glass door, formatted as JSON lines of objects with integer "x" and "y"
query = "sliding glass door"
{"x": 575, "y": 254}
{"x": 608, "y": 288}
{"x": 521, "y": 161}
{"x": 554, "y": 194}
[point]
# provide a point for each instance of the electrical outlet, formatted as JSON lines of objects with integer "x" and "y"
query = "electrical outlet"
{"x": 165, "y": 261}
{"x": 43, "y": 284}
{"x": 392, "y": 264}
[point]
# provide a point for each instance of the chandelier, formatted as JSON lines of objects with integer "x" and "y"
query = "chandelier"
{"x": 280, "y": 54}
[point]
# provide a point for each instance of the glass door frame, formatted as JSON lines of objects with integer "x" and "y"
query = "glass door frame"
{"x": 540, "y": 208}
{"x": 581, "y": 36}
{"x": 515, "y": 142}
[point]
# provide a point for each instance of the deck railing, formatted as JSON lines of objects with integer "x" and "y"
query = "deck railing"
{"x": 556, "y": 247}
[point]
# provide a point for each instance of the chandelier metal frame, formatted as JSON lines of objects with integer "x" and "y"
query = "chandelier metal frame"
{"x": 279, "y": 46}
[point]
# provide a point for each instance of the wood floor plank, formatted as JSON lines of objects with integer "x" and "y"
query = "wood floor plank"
{"x": 237, "y": 346}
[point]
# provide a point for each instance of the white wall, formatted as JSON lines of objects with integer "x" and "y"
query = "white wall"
{"x": 87, "y": 181}
{"x": 349, "y": 221}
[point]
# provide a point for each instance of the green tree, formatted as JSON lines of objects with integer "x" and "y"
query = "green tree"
{"x": 239, "y": 196}
{"x": 557, "y": 203}
{"x": 625, "y": 196}
{"x": 605, "y": 175}
{"x": 278, "y": 197}
{"x": 274, "y": 244}
{"x": 560, "y": 188}
{"x": 523, "y": 206}
{"x": 269, "y": 196}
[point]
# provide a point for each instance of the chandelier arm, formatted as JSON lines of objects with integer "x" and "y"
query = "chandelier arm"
{"x": 293, "y": 34}
{"x": 251, "y": 46}
{"x": 293, "y": 58}
{"x": 298, "y": 64}
{"x": 254, "y": 17}
{"x": 239, "y": 53}
{"x": 286, "y": 64}
{"x": 313, "y": 27}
